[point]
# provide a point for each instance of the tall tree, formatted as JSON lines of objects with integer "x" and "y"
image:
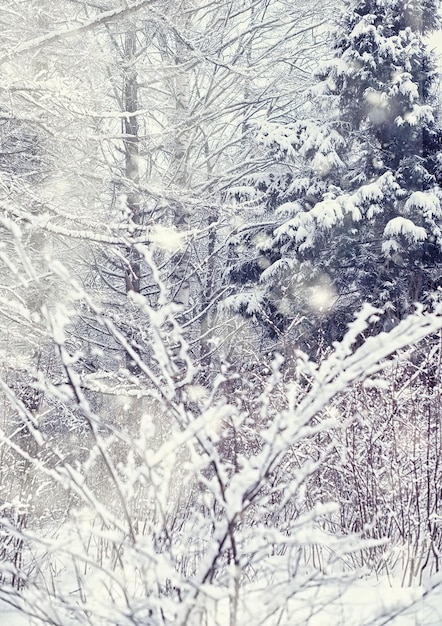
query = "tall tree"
{"x": 188, "y": 86}
{"x": 354, "y": 204}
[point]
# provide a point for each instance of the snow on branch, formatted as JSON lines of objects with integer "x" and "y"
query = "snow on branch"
{"x": 403, "y": 226}
{"x": 63, "y": 33}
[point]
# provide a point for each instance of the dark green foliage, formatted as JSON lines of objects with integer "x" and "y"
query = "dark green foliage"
{"x": 382, "y": 77}
{"x": 354, "y": 188}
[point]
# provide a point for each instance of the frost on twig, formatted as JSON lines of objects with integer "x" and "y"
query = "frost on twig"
{"x": 173, "y": 502}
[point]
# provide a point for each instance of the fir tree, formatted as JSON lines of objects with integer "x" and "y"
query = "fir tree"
{"x": 353, "y": 198}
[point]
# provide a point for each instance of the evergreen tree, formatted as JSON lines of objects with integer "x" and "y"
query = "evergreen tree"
{"x": 353, "y": 201}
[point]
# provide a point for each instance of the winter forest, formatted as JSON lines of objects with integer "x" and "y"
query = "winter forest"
{"x": 220, "y": 313}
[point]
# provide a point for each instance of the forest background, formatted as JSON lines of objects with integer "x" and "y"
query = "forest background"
{"x": 220, "y": 274}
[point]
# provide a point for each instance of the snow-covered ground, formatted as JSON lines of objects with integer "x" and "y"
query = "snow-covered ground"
{"x": 11, "y": 617}
{"x": 365, "y": 604}
{"x": 362, "y": 604}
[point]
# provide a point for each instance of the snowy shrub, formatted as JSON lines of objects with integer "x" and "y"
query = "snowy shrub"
{"x": 175, "y": 503}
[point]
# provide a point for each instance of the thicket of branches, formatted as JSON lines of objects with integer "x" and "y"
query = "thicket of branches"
{"x": 169, "y": 454}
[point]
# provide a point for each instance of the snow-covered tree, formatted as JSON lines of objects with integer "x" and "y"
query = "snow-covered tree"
{"x": 352, "y": 199}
